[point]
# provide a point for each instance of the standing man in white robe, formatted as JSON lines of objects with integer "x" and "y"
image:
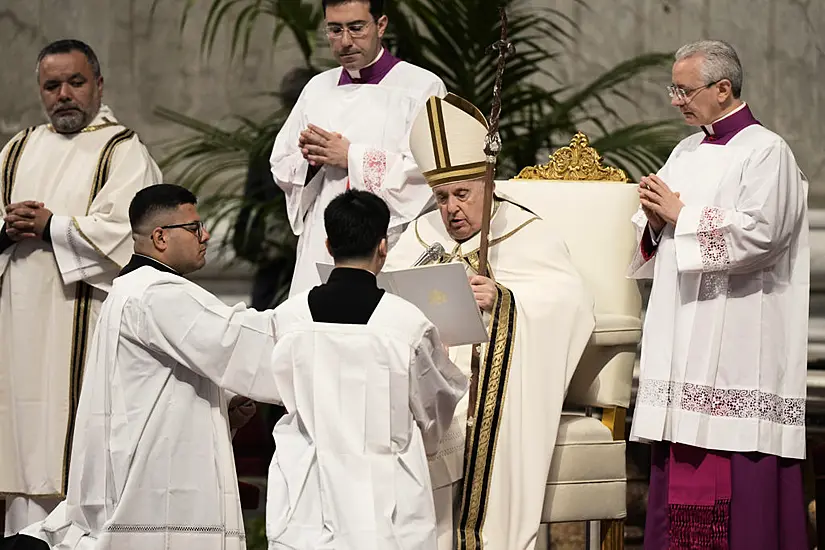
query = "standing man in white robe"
{"x": 65, "y": 189}
{"x": 723, "y": 232}
{"x": 152, "y": 465}
{"x": 370, "y": 391}
{"x": 350, "y": 130}
{"x": 540, "y": 318}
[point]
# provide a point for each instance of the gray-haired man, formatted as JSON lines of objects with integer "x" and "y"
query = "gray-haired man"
{"x": 723, "y": 232}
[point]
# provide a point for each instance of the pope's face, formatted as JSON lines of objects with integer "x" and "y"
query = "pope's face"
{"x": 461, "y": 205}
{"x": 703, "y": 102}
{"x": 69, "y": 91}
{"x": 354, "y": 35}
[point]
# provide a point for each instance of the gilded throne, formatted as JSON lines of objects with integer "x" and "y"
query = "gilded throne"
{"x": 590, "y": 205}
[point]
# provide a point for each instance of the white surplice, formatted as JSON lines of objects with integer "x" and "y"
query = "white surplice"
{"x": 724, "y": 357}
{"x": 376, "y": 119}
{"x": 366, "y": 404}
{"x": 152, "y": 463}
{"x": 52, "y": 292}
{"x": 541, "y": 323}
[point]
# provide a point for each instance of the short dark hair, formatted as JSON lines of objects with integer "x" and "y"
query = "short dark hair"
{"x": 356, "y": 221}
{"x": 69, "y": 45}
{"x": 157, "y": 198}
{"x": 376, "y": 6}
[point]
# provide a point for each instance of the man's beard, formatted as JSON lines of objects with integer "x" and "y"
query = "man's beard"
{"x": 69, "y": 121}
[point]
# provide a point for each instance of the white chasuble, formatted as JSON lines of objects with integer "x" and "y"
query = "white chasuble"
{"x": 51, "y": 293}
{"x": 376, "y": 119}
{"x": 152, "y": 464}
{"x": 724, "y": 358}
{"x": 367, "y": 404}
{"x": 541, "y": 322}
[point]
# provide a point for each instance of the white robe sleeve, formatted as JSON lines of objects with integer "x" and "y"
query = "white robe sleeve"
{"x": 394, "y": 176}
{"x": 95, "y": 246}
{"x": 436, "y": 387}
{"x": 751, "y": 236}
{"x": 641, "y": 265}
{"x": 290, "y": 168}
{"x": 231, "y": 346}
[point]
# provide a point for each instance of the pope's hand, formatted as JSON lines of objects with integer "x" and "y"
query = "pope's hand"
{"x": 241, "y": 410}
{"x": 321, "y": 147}
{"x": 484, "y": 291}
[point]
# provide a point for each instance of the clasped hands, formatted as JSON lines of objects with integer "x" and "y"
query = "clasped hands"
{"x": 26, "y": 220}
{"x": 659, "y": 203}
{"x": 320, "y": 147}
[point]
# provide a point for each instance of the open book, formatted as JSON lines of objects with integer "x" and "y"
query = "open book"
{"x": 442, "y": 292}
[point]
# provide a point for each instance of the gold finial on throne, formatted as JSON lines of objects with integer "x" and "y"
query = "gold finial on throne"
{"x": 576, "y": 162}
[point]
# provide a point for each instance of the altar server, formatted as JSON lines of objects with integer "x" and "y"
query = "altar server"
{"x": 350, "y": 130}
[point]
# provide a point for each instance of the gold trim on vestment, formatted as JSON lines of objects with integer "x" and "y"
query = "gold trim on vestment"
{"x": 80, "y": 337}
{"x": 91, "y": 128}
{"x": 93, "y": 245}
{"x": 83, "y": 306}
{"x": 104, "y": 163}
{"x": 480, "y": 449}
{"x": 11, "y": 162}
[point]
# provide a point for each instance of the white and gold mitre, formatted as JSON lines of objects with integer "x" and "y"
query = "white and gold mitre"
{"x": 447, "y": 141}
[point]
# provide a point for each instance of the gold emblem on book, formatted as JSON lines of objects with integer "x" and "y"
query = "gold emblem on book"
{"x": 576, "y": 162}
{"x": 437, "y": 298}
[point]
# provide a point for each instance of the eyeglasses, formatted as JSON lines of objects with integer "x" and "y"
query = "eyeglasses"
{"x": 356, "y": 29}
{"x": 680, "y": 94}
{"x": 196, "y": 228}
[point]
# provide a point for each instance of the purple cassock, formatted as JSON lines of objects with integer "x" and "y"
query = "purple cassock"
{"x": 372, "y": 74}
{"x": 704, "y": 499}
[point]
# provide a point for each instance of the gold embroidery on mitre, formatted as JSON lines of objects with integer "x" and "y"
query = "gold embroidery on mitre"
{"x": 576, "y": 162}
{"x": 453, "y": 174}
{"x": 438, "y": 131}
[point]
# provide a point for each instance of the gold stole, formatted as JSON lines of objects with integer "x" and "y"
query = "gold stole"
{"x": 480, "y": 449}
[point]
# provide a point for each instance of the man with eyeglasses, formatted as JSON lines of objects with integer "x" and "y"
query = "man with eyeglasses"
{"x": 350, "y": 130}
{"x": 152, "y": 464}
{"x": 64, "y": 192}
{"x": 723, "y": 233}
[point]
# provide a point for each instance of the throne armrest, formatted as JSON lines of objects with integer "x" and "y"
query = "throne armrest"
{"x": 616, "y": 330}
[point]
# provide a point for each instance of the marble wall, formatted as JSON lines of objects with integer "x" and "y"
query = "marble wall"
{"x": 781, "y": 44}
{"x": 148, "y": 62}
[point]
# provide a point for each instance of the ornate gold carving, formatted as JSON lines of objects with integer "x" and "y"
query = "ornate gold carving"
{"x": 577, "y": 162}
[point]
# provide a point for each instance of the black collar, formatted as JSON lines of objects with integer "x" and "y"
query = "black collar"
{"x": 352, "y": 276}
{"x": 139, "y": 260}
